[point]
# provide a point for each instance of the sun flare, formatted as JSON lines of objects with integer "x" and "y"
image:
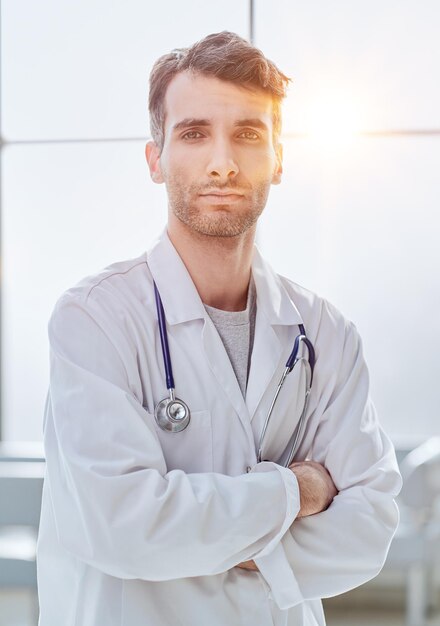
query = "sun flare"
{"x": 333, "y": 120}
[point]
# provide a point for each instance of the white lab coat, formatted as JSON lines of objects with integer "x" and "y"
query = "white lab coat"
{"x": 143, "y": 527}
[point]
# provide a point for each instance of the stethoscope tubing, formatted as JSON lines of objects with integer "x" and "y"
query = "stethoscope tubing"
{"x": 290, "y": 364}
{"x": 269, "y": 414}
{"x": 292, "y": 358}
{"x": 164, "y": 340}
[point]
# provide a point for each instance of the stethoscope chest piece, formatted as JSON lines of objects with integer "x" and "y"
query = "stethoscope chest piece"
{"x": 172, "y": 414}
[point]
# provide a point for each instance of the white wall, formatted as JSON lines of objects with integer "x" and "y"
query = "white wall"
{"x": 356, "y": 222}
{"x": 77, "y": 70}
{"x": 357, "y": 219}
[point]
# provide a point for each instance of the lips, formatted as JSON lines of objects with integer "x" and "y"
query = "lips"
{"x": 223, "y": 194}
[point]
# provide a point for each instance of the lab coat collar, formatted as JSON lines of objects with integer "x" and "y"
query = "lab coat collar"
{"x": 272, "y": 297}
{"x": 180, "y": 298}
{"x": 276, "y": 313}
{"x": 182, "y": 302}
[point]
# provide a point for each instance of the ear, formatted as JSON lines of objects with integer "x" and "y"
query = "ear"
{"x": 276, "y": 178}
{"x": 152, "y": 154}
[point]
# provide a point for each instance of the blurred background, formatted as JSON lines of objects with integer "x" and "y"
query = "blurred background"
{"x": 356, "y": 220}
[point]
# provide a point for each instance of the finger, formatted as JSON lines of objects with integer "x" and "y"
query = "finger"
{"x": 249, "y": 565}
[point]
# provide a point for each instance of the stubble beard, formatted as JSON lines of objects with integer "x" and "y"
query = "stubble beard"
{"x": 223, "y": 220}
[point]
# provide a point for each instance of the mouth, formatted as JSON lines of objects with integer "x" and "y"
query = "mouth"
{"x": 222, "y": 195}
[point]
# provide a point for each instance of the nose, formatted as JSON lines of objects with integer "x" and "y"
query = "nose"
{"x": 222, "y": 165}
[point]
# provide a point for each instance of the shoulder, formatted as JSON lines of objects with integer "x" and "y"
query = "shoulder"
{"x": 115, "y": 277}
{"x": 330, "y": 331}
{"x": 315, "y": 310}
{"x": 335, "y": 338}
{"x": 105, "y": 298}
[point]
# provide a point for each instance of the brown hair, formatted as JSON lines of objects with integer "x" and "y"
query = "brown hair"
{"x": 226, "y": 56}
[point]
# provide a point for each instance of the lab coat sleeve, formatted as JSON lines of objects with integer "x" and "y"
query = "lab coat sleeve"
{"x": 343, "y": 547}
{"x": 115, "y": 506}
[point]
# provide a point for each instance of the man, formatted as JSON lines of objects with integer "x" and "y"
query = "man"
{"x": 145, "y": 526}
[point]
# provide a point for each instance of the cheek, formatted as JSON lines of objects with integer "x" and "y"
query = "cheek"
{"x": 171, "y": 173}
{"x": 258, "y": 165}
{"x": 178, "y": 181}
{"x": 178, "y": 168}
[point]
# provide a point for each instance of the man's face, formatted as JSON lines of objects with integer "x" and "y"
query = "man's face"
{"x": 218, "y": 159}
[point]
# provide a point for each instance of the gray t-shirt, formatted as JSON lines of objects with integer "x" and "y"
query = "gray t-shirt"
{"x": 236, "y": 329}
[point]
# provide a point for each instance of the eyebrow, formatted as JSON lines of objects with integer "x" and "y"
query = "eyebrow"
{"x": 191, "y": 121}
{"x": 252, "y": 121}
{"x": 255, "y": 122}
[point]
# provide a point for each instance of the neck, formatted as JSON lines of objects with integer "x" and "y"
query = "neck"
{"x": 220, "y": 267}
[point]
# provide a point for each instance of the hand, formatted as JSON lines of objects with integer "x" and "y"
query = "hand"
{"x": 316, "y": 487}
{"x": 249, "y": 565}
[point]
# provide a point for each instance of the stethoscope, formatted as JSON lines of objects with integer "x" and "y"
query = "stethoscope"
{"x": 173, "y": 414}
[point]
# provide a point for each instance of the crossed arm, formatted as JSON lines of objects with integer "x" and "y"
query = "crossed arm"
{"x": 240, "y": 515}
{"x": 316, "y": 489}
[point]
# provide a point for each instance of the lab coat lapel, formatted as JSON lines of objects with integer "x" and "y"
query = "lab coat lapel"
{"x": 275, "y": 311}
{"x": 180, "y": 298}
{"x": 222, "y": 369}
{"x": 266, "y": 354}
{"x": 182, "y": 303}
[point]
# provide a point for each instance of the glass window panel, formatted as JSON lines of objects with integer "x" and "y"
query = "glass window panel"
{"x": 375, "y": 62}
{"x": 68, "y": 210}
{"x": 340, "y": 226}
{"x": 80, "y": 69}
{"x": 361, "y": 229}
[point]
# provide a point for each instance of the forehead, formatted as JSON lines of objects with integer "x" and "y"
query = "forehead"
{"x": 205, "y": 97}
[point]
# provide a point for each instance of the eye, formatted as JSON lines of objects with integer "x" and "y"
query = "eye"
{"x": 192, "y": 134}
{"x": 249, "y": 134}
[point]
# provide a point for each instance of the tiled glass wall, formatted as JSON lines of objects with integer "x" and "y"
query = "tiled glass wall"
{"x": 356, "y": 221}
{"x": 76, "y": 191}
{"x": 356, "y": 218}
